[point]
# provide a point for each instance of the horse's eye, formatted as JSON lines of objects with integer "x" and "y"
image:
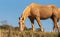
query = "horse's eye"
{"x": 22, "y": 18}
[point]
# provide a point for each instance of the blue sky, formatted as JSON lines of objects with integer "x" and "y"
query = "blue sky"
{"x": 11, "y": 10}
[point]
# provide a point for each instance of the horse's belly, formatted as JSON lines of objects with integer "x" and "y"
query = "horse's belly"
{"x": 45, "y": 15}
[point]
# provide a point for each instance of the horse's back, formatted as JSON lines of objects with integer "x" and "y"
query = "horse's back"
{"x": 41, "y": 11}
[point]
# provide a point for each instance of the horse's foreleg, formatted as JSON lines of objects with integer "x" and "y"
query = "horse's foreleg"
{"x": 32, "y": 23}
{"x": 38, "y": 20}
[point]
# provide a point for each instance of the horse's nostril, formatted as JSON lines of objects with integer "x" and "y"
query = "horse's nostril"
{"x": 22, "y": 23}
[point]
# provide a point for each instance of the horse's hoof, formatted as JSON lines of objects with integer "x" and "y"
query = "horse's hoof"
{"x": 54, "y": 31}
{"x": 33, "y": 29}
{"x": 42, "y": 30}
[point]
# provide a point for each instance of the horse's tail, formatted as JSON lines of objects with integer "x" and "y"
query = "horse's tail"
{"x": 54, "y": 7}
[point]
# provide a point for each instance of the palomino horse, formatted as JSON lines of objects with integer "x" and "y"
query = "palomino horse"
{"x": 38, "y": 12}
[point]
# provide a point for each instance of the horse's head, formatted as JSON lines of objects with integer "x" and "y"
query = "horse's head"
{"x": 21, "y": 23}
{"x": 21, "y": 20}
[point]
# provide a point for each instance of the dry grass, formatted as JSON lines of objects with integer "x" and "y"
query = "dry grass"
{"x": 29, "y": 34}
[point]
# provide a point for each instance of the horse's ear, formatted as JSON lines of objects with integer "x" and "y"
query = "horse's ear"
{"x": 19, "y": 18}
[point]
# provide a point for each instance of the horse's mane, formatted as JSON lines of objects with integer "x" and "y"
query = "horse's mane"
{"x": 25, "y": 10}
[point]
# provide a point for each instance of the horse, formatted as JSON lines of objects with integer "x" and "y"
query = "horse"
{"x": 39, "y": 12}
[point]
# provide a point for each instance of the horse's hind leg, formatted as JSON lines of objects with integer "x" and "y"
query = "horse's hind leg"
{"x": 38, "y": 20}
{"x": 55, "y": 24}
{"x": 58, "y": 27}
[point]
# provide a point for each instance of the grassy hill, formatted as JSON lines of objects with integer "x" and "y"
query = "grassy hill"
{"x": 29, "y": 34}
{"x": 5, "y": 32}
